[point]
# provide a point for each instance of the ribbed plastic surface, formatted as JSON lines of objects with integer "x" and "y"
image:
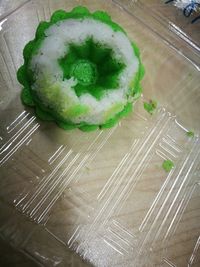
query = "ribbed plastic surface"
{"x": 104, "y": 194}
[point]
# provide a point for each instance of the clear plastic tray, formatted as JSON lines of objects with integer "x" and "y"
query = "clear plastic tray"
{"x": 183, "y": 21}
{"x": 104, "y": 194}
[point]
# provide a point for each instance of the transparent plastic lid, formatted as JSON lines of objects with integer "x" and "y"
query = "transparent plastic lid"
{"x": 105, "y": 194}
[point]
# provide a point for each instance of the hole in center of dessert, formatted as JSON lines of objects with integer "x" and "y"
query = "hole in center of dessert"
{"x": 84, "y": 71}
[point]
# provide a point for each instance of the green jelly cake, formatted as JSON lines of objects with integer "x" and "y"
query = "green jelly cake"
{"x": 81, "y": 70}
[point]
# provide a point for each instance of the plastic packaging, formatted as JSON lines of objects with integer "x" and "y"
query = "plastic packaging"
{"x": 104, "y": 194}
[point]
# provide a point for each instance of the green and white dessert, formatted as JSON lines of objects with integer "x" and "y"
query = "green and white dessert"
{"x": 81, "y": 70}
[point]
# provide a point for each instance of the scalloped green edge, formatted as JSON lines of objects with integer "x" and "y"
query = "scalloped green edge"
{"x": 25, "y": 77}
